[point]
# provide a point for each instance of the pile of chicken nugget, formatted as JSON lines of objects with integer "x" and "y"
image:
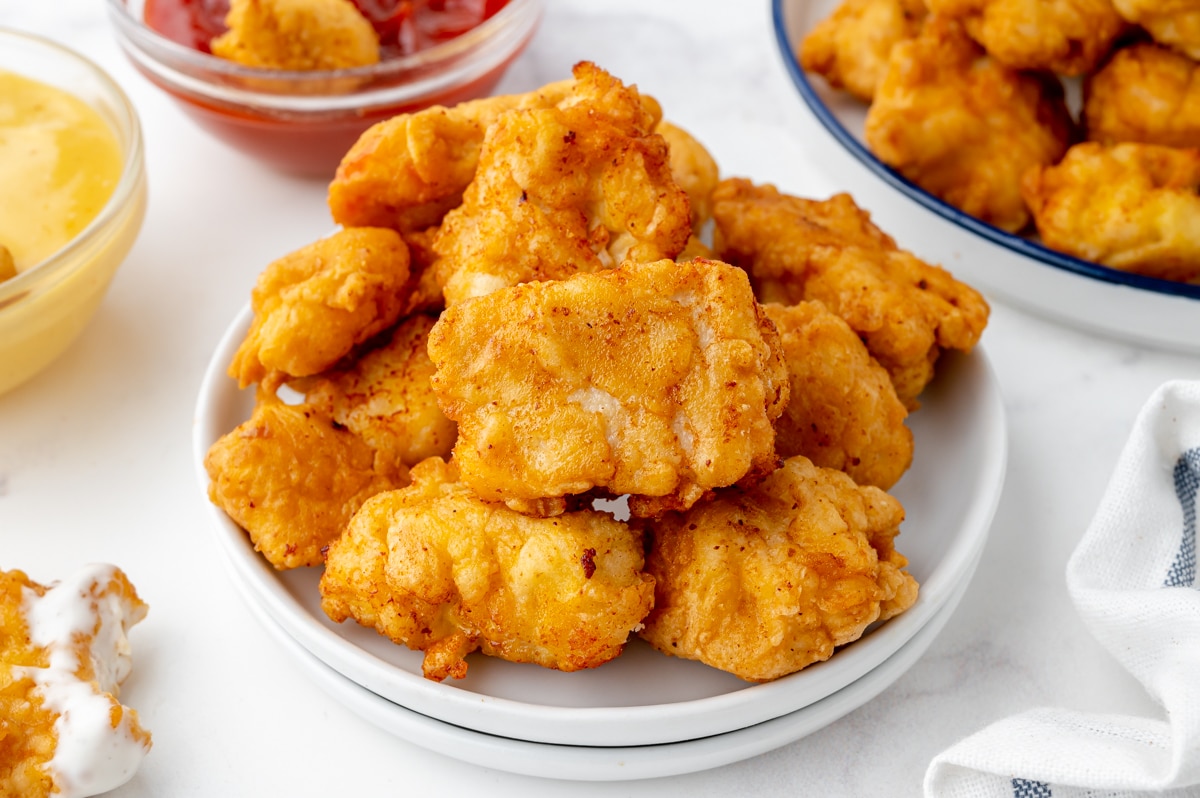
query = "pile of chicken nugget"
{"x": 967, "y": 101}
{"x": 535, "y": 305}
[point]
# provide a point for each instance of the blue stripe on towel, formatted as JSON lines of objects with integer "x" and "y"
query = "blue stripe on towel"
{"x": 1024, "y": 788}
{"x": 1187, "y": 482}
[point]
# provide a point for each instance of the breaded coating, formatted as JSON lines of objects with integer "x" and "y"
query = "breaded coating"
{"x": 1145, "y": 93}
{"x": 436, "y": 569}
{"x": 575, "y": 188}
{"x": 694, "y": 171}
{"x": 64, "y": 653}
{"x": 905, "y": 310}
{"x": 385, "y": 397}
{"x": 406, "y": 172}
{"x": 1069, "y": 37}
{"x": 660, "y": 380}
{"x": 1175, "y": 23}
{"x": 313, "y": 306}
{"x": 1133, "y": 207}
{"x": 844, "y": 413}
{"x": 292, "y": 478}
{"x": 964, "y": 127}
{"x": 850, "y": 47}
{"x": 765, "y": 581}
{"x": 300, "y": 35}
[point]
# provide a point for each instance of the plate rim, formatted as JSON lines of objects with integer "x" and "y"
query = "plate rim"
{"x": 593, "y": 726}
{"x": 1011, "y": 242}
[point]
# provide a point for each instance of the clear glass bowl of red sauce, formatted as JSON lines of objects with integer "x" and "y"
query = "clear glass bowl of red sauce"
{"x": 434, "y": 52}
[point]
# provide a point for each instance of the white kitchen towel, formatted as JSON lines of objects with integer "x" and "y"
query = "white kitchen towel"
{"x": 1133, "y": 580}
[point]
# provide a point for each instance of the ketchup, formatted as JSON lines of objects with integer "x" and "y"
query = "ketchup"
{"x": 404, "y": 26}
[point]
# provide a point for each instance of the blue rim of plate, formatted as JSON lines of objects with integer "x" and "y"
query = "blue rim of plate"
{"x": 995, "y": 235}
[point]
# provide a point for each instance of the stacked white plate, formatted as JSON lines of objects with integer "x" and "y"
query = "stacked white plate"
{"x": 644, "y": 714}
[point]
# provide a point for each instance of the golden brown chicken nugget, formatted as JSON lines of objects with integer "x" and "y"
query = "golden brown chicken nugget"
{"x": 64, "y": 653}
{"x": 850, "y": 47}
{"x": 297, "y": 35}
{"x": 292, "y": 478}
{"x": 574, "y": 188}
{"x": 1069, "y": 37}
{"x": 765, "y": 581}
{"x": 905, "y": 310}
{"x": 436, "y": 569}
{"x": 661, "y": 380}
{"x": 963, "y": 126}
{"x": 1175, "y": 23}
{"x": 386, "y": 398}
{"x": 1133, "y": 207}
{"x": 694, "y": 170}
{"x": 313, "y": 306}
{"x": 1145, "y": 93}
{"x": 843, "y": 412}
{"x": 407, "y": 171}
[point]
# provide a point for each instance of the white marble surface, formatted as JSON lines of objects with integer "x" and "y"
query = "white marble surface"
{"x": 95, "y": 459}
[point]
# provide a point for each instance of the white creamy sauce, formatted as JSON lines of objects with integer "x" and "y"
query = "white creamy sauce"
{"x": 91, "y": 756}
{"x": 594, "y": 400}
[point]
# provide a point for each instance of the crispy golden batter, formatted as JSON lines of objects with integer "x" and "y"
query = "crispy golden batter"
{"x": 407, "y": 171}
{"x": 297, "y": 34}
{"x": 436, "y": 569}
{"x": 292, "y": 479}
{"x": 660, "y": 380}
{"x": 905, "y": 310}
{"x": 763, "y": 582}
{"x": 385, "y": 397}
{"x": 1065, "y": 36}
{"x": 64, "y": 653}
{"x": 1133, "y": 207}
{"x": 850, "y": 47}
{"x": 1175, "y": 23}
{"x": 575, "y": 188}
{"x": 693, "y": 169}
{"x": 843, "y": 412}
{"x": 1145, "y": 93}
{"x": 313, "y": 306}
{"x": 964, "y": 127}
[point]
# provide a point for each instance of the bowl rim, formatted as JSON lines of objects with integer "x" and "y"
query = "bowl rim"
{"x": 1020, "y": 246}
{"x": 513, "y": 12}
{"x": 64, "y": 260}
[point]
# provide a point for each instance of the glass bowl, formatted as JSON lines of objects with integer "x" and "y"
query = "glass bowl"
{"x": 303, "y": 122}
{"x": 45, "y": 307}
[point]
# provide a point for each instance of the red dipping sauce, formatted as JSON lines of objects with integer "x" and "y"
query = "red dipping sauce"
{"x": 404, "y": 27}
{"x": 304, "y": 122}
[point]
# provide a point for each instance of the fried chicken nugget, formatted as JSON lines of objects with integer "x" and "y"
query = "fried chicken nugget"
{"x": 297, "y": 34}
{"x": 843, "y": 412}
{"x": 407, "y": 171}
{"x": 575, "y": 188}
{"x": 313, "y": 306}
{"x": 963, "y": 126}
{"x": 1069, "y": 37}
{"x": 1133, "y": 207}
{"x": 660, "y": 380}
{"x": 386, "y": 398}
{"x": 905, "y": 310}
{"x": 850, "y": 47}
{"x": 292, "y": 479}
{"x": 1144, "y": 93}
{"x": 694, "y": 170}
{"x": 765, "y": 581}
{"x": 436, "y": 569}
{"x": 1175, "y": 23}
{"x": 64, "y": 653}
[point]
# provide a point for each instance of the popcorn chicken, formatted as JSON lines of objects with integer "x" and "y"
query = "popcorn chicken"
{"x": 303, "y": 35}
{"x": 850, "y": 48}
{"x": 1145, "y": 93}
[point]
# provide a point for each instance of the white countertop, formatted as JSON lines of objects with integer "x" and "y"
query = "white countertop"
{"x": 95, "y": 458}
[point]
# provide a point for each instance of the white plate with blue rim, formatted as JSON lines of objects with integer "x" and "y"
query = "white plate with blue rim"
{"x": 1015, "y": 269}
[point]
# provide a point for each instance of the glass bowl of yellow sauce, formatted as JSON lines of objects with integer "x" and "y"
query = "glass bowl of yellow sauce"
{"x": 72, "y": 197}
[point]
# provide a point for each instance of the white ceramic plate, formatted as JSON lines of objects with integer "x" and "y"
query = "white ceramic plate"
{"x": 644, "y": 697}
{"x": 1140, "y": 309}
{"x": 580, "y": 763}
